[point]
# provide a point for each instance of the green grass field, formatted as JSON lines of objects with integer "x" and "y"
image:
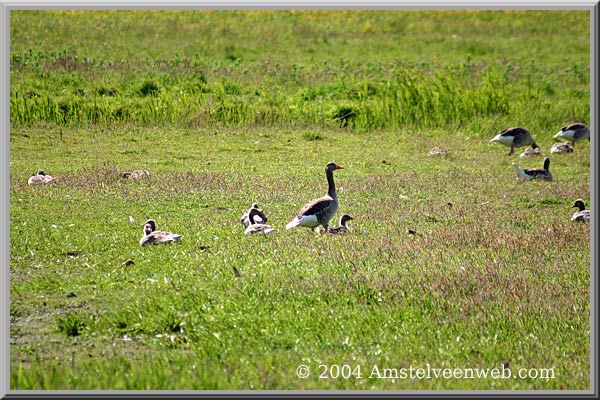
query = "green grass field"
{"x": 230, "y": 107}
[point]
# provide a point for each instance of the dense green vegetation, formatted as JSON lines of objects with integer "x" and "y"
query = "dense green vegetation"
{"x": 230, "y": 107}
{"x": 393, "y": 69}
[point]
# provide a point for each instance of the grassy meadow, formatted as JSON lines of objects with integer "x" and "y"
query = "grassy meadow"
{"x": 230, "y": 107}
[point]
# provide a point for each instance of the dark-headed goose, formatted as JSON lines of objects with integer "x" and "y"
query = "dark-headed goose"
{"x": 39, "y": 178}
{"x": 321, "y": 210}
{"x": 342, "y": 228}
{"x": 573, "y": 133}
{"x": 582, "y": 215}
{"x": 152, "y": 236}
{"x": 515, "y": 137}
{"x": 534, "y": 173}
{"x": 255, "y": 214}
{"x": 257, "y": 217}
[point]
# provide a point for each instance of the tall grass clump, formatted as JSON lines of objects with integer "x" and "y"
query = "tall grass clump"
{"x": 404, "y": 96}
{"x": 440, "y": 99}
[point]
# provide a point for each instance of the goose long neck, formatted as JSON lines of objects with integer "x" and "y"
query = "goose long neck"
{"x": 547, "y": 164}
{"x": 331, "y": 183}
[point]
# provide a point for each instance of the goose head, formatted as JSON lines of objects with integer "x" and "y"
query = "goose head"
{"x": 330, "y": 167}
{"x": 149, "y": 226}
{"x": 344, "y": 219}
{"x": 579, "y": 204}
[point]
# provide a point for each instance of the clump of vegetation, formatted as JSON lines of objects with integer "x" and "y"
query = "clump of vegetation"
{"x": 343, "y": 115}
{"x": 312, "y": 136}
{"x": 149, "y": 88}
{"x": 104, "y": 91}
{"x": 71, "y": 324}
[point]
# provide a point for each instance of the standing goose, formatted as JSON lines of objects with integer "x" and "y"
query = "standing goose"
{"x": 39, "y": 178}
{"x": 582, "y": 215}
{"x": 573, "y": 133}
{"x": 562, "y": 147}
{"x": 321, "y": 210}
{"x": 257, "y": 217}
{"x": 515, "y": 137}
{"x": 342, "y": 228}
{"x": 534, "y": 173}
{"x": 257, "y": 227}
{"x": 152, "y": 236}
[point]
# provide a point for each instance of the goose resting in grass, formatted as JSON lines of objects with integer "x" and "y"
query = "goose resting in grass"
{"x": 152, "y": 236}
{"x": 255, "y": 214}
{"x": 39, "y": 178}
{"x": 515, "y": 137}
{"x": 563, "y": 147}
{"x": 582, "y": 215}
{"x": 321, "y": 210}
{"x": 257, "y": 217}
{"x": 342, "y": 228}
{"x": 258, "y": 228}
{"x": 437, "y": 151}
{"x": 530, "y": 153}
{"x": 534, "y": 173}
{"x": 135, "y": 175}
{"x": 573, "y": 133}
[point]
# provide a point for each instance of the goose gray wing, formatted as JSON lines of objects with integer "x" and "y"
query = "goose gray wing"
{"x": 317, "y": 206}
{"x": 159, "y": 237}
{"x": 539, "y": 173}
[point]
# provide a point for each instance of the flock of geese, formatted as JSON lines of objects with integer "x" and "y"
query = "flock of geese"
{"x": 315, "y": 213}
{"x": 519, "y": 137}
{"x": 319, "y": 212}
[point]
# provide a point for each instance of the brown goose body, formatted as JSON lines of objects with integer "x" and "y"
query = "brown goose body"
{"x": 137, "y": 174}
{"x": 515, "y": 137}
{"x": 530, "y": 153}
{"x": 582, "y": 215}
{"x": 535, "y": 173}
{"x": 152, "y": 236}
{"x": 573, "y": 133}
{"x": 321, "y": 210}
{"x": 40, "y": 178}
{"x": 342, "y": 228}
{"x": 563, "y": 147}
{"x": 437, "y": 151}
{"x": 258, "y": 228}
